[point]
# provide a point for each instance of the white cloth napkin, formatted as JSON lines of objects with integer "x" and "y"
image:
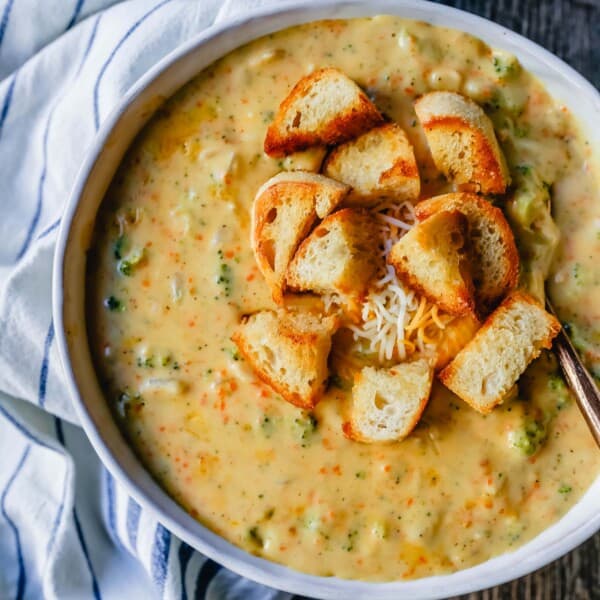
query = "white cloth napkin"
{"x": 67, "y": 529}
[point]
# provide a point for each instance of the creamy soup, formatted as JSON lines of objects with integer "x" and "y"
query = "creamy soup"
{"x": 171, "y": 272}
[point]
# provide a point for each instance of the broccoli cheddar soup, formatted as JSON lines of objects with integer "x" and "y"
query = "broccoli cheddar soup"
{"x": 172, "y": 276}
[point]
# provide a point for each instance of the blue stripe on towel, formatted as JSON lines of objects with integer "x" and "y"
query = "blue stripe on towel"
{"x": 160, "y": 556}
{"x": 89, "y": 44}
{"x": 134, "y": 510}
{"x": 59, "y": 513}
{"x": 86, "y": 555}
{"x": 209, "y": 569}
{"x": 30, "y": 436}
{"x": 95, "y": 589}
{"x": 7, "y": 100}
{"x": 5, "y": 17}
{"x": 57, "y": 520}
{"x": 40, "y": 195}
{"x": 110, "y": 504}
{"x": 111, "y": 509}
{"x": 49, "y": 229}
{"x": 86, "y": 52}
{"x": 22, "y": 580}
{"x": 44, "y": 369}
{"x": 76, "y": 13}
{"x": 112, "y": 55}
{"x": 184, "y": 555}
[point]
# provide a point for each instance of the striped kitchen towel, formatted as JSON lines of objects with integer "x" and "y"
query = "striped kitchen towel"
{"x": 67, "y": 529}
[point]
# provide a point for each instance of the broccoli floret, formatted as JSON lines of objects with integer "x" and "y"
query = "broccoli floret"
{"x": 530, "y": 437}
{"x": 560, "y": 390}
{"x": 537, "y": 234}
{"x": 506, "y": 65}
{"x": 128, "y": 264}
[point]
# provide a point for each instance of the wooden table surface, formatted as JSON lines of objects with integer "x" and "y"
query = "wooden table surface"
{"x": 570, "y": 29}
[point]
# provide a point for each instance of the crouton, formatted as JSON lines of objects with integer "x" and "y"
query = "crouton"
{"x": 339, "y": 257}
{"x": 486, "y": 369}
{"x": 323, "y": 109}
{"x": 433, "y": 259}
{"x": 379, "y": 163}
{"x": 462, "y": 141}
{"x": 388, "y": 403}
{"x": 495, "y": 259}
{"x": 288, "y": 351}
{"x": 284, "y": 211}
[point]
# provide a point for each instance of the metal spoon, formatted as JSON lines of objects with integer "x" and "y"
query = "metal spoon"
{"x": 579, "y": 380}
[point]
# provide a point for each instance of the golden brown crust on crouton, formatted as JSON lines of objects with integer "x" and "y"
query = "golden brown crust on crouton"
{"x": 284, "y": 211}
{"x": 484, "y": 372}
{"x": 495, "y": 259}
{"x": 379, "y": 163}
{"x": 388, "y": 403}
{"x": 339, "y": 256}
{"x": 288, "y": 351}
{"x": 433, "y": 259}
{"x": 462, "y": 141}
{"x": 340, "y": 110}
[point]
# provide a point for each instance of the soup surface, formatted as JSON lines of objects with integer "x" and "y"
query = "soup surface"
{"x": 171, "y": 271}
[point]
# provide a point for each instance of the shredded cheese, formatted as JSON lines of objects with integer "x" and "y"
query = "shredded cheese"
{"x": 395, "y": 321}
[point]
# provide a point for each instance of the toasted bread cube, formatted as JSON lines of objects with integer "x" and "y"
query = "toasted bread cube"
{"x": 339, "y": 256}
{"x": 433, "y": 259}
{"x": 324, "y": 108}
{"x": 284, "y": 211}
{"x": 379, "y": 163}
{"x": 288, "y": 351}
{"x": 462, "y": 141}
{"x": 486, "y": 369}
{"x": 388, "y": 403}
{"x": 495, "y": 259}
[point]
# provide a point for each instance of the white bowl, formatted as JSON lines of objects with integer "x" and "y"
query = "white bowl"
{"x": 567, "y": 87}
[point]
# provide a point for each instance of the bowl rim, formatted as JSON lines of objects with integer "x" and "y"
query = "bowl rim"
{"x": 494, "y": 571}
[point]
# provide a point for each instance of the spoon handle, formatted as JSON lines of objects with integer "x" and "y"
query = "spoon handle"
{"x": 579, "y": 380}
